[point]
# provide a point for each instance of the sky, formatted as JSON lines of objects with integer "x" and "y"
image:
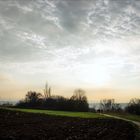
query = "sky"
{"x": 88, "y": 44}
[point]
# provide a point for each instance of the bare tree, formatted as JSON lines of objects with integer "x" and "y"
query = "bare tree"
{"x": 107, "y": 104}
{"x": 47, "y": 91}
{"x": 78, "y": 101}
{"x": 79, "y": 94}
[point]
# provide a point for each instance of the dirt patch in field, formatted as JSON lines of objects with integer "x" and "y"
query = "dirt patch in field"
{"x": 28, "y": 126}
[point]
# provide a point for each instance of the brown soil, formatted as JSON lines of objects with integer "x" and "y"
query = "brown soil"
{"x": 27, "y": 126}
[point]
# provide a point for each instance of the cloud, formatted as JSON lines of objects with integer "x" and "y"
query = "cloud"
{"x": 58, "y": 38}
{"x": 110, "y": 21}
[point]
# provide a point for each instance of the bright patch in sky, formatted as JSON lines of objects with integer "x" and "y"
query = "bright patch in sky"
{"x": 96, "y": 74}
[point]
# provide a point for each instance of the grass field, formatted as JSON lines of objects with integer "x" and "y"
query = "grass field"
{"x": 61, "y": 113}
{"x": 126, "y": 116}
{"x": 78, "y": 114}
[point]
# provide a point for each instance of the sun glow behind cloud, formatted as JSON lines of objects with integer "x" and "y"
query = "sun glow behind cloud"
{"x": 96, "y": 74}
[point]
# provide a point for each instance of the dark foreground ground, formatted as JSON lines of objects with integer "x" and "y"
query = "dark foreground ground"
{"x": 27, "y": 126}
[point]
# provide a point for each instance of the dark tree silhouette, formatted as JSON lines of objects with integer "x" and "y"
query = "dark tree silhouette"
{"x": 78, "y": 102}
{"x": 133, "y": 107}
{"x": 32, "y": 99}
{"x": 109, "y": 105}
{"x": 33, "y": 96}
{"x": 79, "y": 94}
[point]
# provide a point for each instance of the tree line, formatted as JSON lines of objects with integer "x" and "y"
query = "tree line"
{"x": 77, "y": 102}
{"x": 109, "y": 105}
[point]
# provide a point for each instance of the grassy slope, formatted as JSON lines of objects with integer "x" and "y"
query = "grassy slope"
{"x": 127, "y": 116}
{"x": 62, "y": 113}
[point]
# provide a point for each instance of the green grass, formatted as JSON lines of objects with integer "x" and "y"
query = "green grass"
{"x": 61, "y": 113}
{"x": 126, "y": 116}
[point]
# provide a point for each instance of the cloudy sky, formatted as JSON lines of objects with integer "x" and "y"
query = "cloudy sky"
{"x": 89, "y": 44}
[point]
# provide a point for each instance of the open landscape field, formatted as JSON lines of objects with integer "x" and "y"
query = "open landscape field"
{"x": 69, "y": 69}
{"x": 21, "y": 125}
